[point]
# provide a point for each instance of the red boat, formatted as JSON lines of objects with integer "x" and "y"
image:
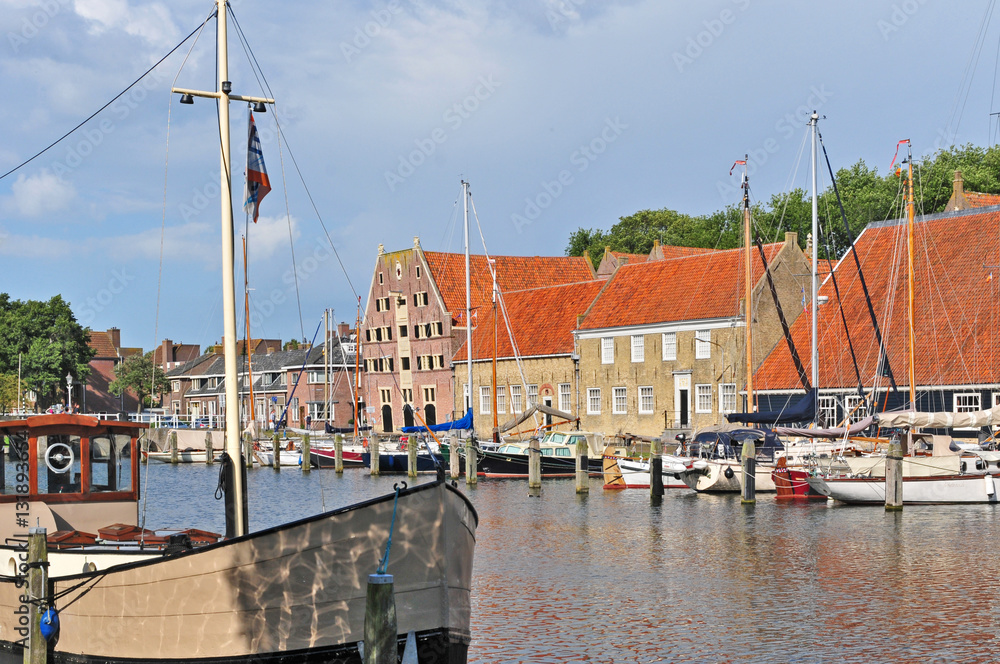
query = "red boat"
{"x": 790, "y": 483}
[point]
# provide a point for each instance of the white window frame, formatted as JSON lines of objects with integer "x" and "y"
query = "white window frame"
{"x": 852, "y": 410}
{"x": 972, "y": 402}
{"x": 485, "y": 400}
{"x": 565, "y": 396}
{"x": 175, "y": 386}
{"x": 466, "y": 401}
{"x": 647, "y": 401}
{"x": 501, "y": 400}
{"x": 515, "y": 399}
{"x": 619, "y": 400}
{"x": 593, "y": 401}
{"x": 703, "y": 344}
{"x": 703, "y": 398}
{"x": 532, "y": 395}
{"x": 607, "y": 350}
{"x": 826, "y": 410}
{"x": 669, "y": 346}
{"x": 638, "y": 348}
{"x": 728, "y": 398}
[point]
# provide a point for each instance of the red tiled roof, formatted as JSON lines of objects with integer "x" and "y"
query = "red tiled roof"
{"x": 669, "y": 251}
{"x": 514, "y": 273}
{"x": 705, "y": 285}
{"x": 101, "y": 342}
{"x": 982, "y": 200}
{"x": 631, "y": 258}
{"x": 542, "y": 321}
{"x": 956, "y": 301}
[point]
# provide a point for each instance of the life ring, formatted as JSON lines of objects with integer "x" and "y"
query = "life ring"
{"x": 364, "y": 443}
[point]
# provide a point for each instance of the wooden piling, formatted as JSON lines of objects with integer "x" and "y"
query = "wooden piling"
{"x": 248, "y": 452}
{"x": 454, "y": 460}
{"x": 338, "y": 453}
{"x": 748, "y": 461}
{"x": 380, "y": 621}
{"x": 656, "y": 469}
{"x": 38, "y": 557}
{"x": 276, "y": 449}
{"x": 306, "y": 454}
{"x": 373, "y": 450}
{"x": 471, "y": 463}
{"x": 534, "y": 464}
{"x": 172, "y": 444}
{"x": 411, "y": 456}
{"x": 894, "y": 475}
{"x": 582, "y": 467}
{"x": 209, "y": 452}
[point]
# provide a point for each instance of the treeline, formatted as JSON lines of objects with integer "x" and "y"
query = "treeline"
{"x": 866, "y": 196}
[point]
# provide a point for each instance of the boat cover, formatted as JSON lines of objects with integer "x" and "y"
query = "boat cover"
{"x": 537, "y": 408}
{"x": 802, "y": 410}
{"x": 464, "y": 423}
{"x": 333, "y": 429}
{"x": 712, "y": 443}
{"x": 835, "y": 432}
{"x": 912, "y": 419}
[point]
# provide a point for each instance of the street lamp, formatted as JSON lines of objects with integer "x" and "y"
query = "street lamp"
{"x": 69, "y": 391}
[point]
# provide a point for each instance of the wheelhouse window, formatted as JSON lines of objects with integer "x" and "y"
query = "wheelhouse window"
{"x": 110, "y": 463}
{"x": 59, "y": 464}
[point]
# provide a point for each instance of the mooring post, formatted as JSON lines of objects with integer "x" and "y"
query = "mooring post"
{"x": 381, "y": 646}
{"x": 373, "y": 452}
{"x": 411, "y": 456}
{"x": 38, "y": 560}
{"x": 534, "y": 464}
{"x": 338, "y": 453}
{"x": 209, "y": 452}
{"x": 172, "y": 438}
{"x": 306, "y": 454}
{"x": 748, "y": 461}
{"x": 454, "y": 460}
{"x": 471, "y": 463}
{"x": 247, "y": 450}
{"x": 582, "y": 466}
{"x": 894, "y": 474}
{"x": 276, "y": 448}
{"x": 656, "y": 469}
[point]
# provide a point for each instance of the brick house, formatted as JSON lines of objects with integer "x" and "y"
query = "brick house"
{"x": 957, "y": 297}
{"x": 542, "y": 323}
{"x": 95, "y": 396}
{"x": 169, "y": 354}
{"x": 662, "y": 346}
{"x": 414, "y": 324}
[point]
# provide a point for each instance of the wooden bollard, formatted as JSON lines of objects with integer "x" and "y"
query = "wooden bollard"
{"x": 471, "y": 463}
{"x": 748, "y": 461}
{"x": 894, "y": 476}
{"x": 534, "y": 464}
{"x": 656, "y": 469}
{"x": 38, "y": 554}
{"x": 582, "y": 467}
{"x": 454, "y": 460}
{"x": 412, "y": 446}
{"x": 338, "y": 453}
{"x": 209, "y": 452}
{"x": 172, "y": 442}
{"x": 373, "y": 450}
{"x": 306, "y": 454}
{"x": 248, "y": 453}
{"x": 276, "y": 448}
{"x": 381, "y": 645}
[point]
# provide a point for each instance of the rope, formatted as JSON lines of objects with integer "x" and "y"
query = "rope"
{"x": 392, "y": 525}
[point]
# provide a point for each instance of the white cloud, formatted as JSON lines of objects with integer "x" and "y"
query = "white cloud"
{"x": 32, "y": 246}
{"x": 151, "y": 22}
{"x": 270, "y": 235}
{"x": 188, "y": 242}
{"x": 41, "y": 193}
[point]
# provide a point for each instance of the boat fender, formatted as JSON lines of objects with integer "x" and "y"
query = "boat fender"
{"x": 49, "y": 624}
{"x": 962, "y": 467}
{"x": 729, "y": 473}
{"x": 677, "y": 476}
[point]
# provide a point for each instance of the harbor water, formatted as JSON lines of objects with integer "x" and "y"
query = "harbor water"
{"x": 610, "y": 577}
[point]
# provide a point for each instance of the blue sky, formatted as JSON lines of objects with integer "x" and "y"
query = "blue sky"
{"x": 560, "y": 113}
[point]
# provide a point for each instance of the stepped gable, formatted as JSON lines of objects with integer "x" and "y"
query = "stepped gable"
{"x": 957, "y": 296}
{"x": 542, "y": 322}
{"x": 514, "y": 273}
{"x": 701, "y": 286}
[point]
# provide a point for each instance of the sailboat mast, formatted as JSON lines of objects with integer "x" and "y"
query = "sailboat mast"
{"x": 357, "y": 369}
{"x": 468, "y": 293}
{"x": 748, "y": 295}
{"x": 909, "y": 264}
{"x": 814, "y": 121}
{"x": 496, "y": 431}
{"x": 249, "y": 348}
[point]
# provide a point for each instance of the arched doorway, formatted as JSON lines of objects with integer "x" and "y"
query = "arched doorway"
{"x": 430, "y": 414}
{"x": 407, "y": 415}
{"x": 387, "y": 418}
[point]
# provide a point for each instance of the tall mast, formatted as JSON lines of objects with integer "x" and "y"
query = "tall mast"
{"x": 909, "y": 266}
{"x": 748, "y": 294}
{"x": 357, "y": 369}
{"x": 468, "y": 293}
{"x": 496, "y": 432}
{"x": 326, "y": 365}
{"x": 249, "y": 348}
{"x": 815, "y": 262}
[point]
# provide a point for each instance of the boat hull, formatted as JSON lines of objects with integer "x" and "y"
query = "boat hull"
{"x": 916, "y": 490}
{"x": 515, "y": 466}
{"x": 792, "y": 484}
{"x": 294, "y": 593}
{"x": 626, "y": 473}
{"x": 399, "y": 462}
{"x": 323, "y": 458}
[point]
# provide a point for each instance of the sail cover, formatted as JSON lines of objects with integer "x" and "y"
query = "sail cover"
{"x": 912, "y": 419}
{"x": 835, "y": 432}
{"x": 801, "y": 411}
{"x": 464, "y": 423}
{"x": 537, "y": 408}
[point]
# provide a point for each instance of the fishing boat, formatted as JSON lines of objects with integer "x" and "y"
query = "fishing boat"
{"x": 294, "y": 593}
{"x": 510, "y": 460}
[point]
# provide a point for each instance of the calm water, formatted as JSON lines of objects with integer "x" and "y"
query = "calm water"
{"x": 610, "y": 578}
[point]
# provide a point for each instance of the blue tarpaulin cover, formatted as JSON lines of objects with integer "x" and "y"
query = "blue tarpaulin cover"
{"x": 464, "y": 423}
{"x": 802, "y": 410}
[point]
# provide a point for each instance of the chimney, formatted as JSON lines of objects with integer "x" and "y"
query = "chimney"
{"x": 116, "y": 337}
{"x": 343, "y": 329}
{"x": 958, "y": 201}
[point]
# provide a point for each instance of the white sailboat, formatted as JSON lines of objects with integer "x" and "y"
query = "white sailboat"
{"x": 292, "y": 593}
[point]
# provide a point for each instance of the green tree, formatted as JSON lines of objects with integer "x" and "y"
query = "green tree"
{"x": 140, "y": 375}
{"x": 291, "y": 344}
{"x": 8, "y": 393}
